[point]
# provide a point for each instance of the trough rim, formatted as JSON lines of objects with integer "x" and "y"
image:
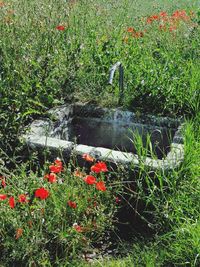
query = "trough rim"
{"x": 172, "y": 160}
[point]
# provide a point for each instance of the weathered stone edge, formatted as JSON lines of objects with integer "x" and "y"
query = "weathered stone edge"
{"x": 172, "y": 161}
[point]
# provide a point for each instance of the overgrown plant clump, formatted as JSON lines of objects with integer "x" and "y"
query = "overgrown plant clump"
{"x": 52, "y": 52}
{"x": 169, "y": 210}
{"x": 57, "y": 216}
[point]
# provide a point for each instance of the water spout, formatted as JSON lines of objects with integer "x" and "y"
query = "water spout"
{"x": 121, "y": 79}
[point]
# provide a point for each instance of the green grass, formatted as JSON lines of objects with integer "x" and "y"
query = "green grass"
{"x": 41, "y": 67}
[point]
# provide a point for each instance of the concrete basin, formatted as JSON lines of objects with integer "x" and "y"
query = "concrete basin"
{"x": 111, "y": 135}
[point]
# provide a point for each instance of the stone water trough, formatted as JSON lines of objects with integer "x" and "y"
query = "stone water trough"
{"x": 111, "y": 135}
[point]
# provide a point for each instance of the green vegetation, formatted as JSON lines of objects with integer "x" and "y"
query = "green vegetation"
{"x": 43, "y": 65}
{"x": 54, "y": 217}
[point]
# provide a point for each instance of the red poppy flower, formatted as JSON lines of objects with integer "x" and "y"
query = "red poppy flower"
{"x": 89, "y": 179}
{"x": 3, "y": 181}
{"x": 155, "y": 17}
{"x": 78, "y": 228}
{"x": 163, "y": 14}
{"x": 101, "y": 186}
{"x": 149, "y": 20}
{"x": 60, "y": 28}
{"x": 19, "y": 233}
{"x": 130, "y": 29}
{"x": 12, "y": 202}
{"x": 3, "y": 196}
{"x": 152, "y": 18}
{"x": 87, "y": 157}
{"x": 42, "y": 193}
{"x": 51, "y": 177}
{"x": 22, "y": 198}
{"x": 55, "y": 168}
{"x": 172, "y": 28}
{"x": 99, "y": 167}
{"x": 179, "y": 13}
{"x": 138, "y": 34}
{"x": 58, "y": 162}
{"x": 72, "y": 204}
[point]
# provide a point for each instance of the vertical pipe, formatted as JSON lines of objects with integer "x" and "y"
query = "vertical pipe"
{"x": 121, "y": 79}
{"x": 121, "y": 84}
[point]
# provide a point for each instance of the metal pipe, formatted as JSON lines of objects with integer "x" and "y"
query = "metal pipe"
{"x": 112, "y": 71}
{"x": 119, "y": 66}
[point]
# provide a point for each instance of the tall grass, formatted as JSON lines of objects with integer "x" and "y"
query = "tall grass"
{"x": 41, "y": 67}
